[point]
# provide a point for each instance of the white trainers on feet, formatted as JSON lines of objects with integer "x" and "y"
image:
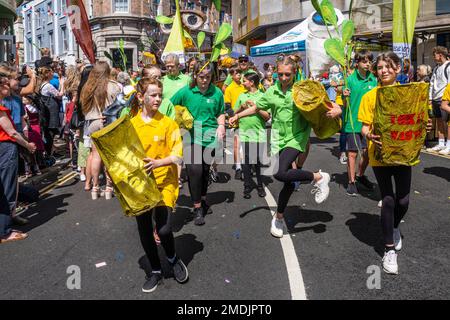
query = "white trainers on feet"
{"x": 397, "y": 239}
{"x": 321, "y": 189}
{"x": 445, "y": 152}
{"x": 390, "y": 265}
{"x": 436, "y": 148}
{"x": 380, "y": 203}
{"x": 82, "y": 177}
{"x": 276, "y": 228}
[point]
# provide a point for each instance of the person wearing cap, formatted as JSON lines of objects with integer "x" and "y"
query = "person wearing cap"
{"x": 244, "y": 66}
{"x": 174, "y": 80}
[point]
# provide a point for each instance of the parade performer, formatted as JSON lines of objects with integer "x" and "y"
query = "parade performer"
{"x": 161, "y": 139}
{"x": 252, "y": 124}
{"x": 394, "y": 203}
{"x": 289, "y": 138}
{"x": 206, "y": 104}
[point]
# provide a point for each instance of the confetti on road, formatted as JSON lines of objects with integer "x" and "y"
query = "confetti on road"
{"x": 416, "y": 192}
{"x": 101, "y": 264}
{"x": 77, "y": 224}
{"x": 223, "y": 216}
{"x": 254, "y": 206}
{"x": 304, "y": 205}
{"x": 227, "y": 281}
{"x": 236, "y": 234}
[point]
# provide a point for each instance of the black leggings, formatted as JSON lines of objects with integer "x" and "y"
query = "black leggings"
{"x": 163, "y": 227}
{"x": 252, "y": 156}
{"x": 198, "y": 173}
{"x": 288, "y": 175}
{"x": 49, "y": 136}
{"x": 395, "y": 205}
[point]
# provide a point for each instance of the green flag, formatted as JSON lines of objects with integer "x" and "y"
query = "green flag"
{"x": 403, "y": 24}
{"x": 175, "y": 43}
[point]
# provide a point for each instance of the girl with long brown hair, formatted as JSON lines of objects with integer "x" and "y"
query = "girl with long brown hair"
{"x": 98, "y": 93}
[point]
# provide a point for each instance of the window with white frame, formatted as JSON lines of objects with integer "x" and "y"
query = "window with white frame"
{"x": 65, "y": 43}
{"x": 49, "y": 13}
{"x": 51, "y": 42}
{"x": 38, "y": 18}
{"x": 39, "y": 42}
{"x": 29, "y": 25}
{"x": 63, "y": 6}
{"x": 120, "y": 6}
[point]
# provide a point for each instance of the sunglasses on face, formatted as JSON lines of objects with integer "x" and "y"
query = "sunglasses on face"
{"x": 243, "y": 61}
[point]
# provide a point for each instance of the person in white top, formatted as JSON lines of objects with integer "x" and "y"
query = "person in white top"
{"x": 439, "y": 80}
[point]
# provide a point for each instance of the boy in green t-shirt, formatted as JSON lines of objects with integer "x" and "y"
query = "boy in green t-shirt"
{"x": 359, "y": 83}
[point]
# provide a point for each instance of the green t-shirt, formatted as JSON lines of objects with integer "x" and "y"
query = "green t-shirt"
{"x": 172, "y": 84}
{"x": 229, "y": 79}
{"x": 289, "y": 127}
{"x": 166, "y": 108}
{"x": 358, "y": 87}
{"x": 251, "y": 128}
{"x": 205, "y": 109}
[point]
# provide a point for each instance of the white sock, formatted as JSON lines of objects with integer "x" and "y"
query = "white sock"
{"x": 448, "y": 143}
{"x": 442, "y": 142}
{"x": 238, "y": 166}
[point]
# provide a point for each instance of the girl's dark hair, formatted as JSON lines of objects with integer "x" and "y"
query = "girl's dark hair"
{"x": 201, "y": 67}
{"x": 390, "y": 58}
{"x": 254, "y": 77}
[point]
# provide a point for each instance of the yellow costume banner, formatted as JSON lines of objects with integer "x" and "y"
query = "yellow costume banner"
{"x": 122, "y": 153}
{"x": 400, "y": 118}
{"x": 312, "y": 100}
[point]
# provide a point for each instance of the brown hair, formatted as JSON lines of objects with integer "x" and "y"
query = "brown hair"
{"x": 72, "y": 79}
{"x": 287, "y": 61}
{"x": 44, "y": 74}
{"x": 440, "y": 50}
{"x": 390, "y": 58}
{"x": 96, "y": 88}
{"x": 363, "y": 55}
{"x": 200, "y": 67}
{"x": 141, "y": 88}
{"x": 234, "y": 69}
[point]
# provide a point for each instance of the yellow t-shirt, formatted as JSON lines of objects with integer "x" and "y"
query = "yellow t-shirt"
{"x": 446, "y": 96}
{"x": 232, "y": 93}
{"x": 161, "y": 138}
{"x": 365, "y": 115}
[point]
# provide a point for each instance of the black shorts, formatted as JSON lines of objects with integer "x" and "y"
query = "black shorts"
{"x": 437, "y": 111}
{"x": 356, "y": 141}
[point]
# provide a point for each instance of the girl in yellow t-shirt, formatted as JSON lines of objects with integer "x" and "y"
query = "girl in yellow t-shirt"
{"x": 394, "y": 203}
{"x": 161, "y": 139}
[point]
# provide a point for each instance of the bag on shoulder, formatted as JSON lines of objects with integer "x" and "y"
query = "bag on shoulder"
{"x": 112, "y": 112}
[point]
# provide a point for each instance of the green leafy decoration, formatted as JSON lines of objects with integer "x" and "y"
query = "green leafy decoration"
{"x": 348, "y": 30}
{"x": 164, "y": 20}
{"x": 224, "y": 32}
{"x": 215, "y": 53}
{"x": 316, "y": 6}
{"x": 328, "y": 13}
{"x": 200, "y": 39}
{"x": 122, "y": 53}
{"x": 217, "y": 4}
{"x": 335, "y": 50}
{"x": 349, "y": 53}
{"x": 107, "y": 55}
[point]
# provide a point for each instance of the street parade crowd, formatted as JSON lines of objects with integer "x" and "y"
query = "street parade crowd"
{"x": 50, "y": 100}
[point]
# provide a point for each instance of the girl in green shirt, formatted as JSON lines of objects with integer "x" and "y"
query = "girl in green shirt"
{"x": 289, "y": 138}
{"x": 252, "y": 132}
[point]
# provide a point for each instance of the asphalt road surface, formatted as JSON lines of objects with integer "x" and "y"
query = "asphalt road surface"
{"x": 329, "y": 251}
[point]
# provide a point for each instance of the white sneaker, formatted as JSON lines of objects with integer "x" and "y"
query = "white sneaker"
{"x": 445, "y": 152}
{"x": 277, "y": 228}
{"x": 322, "y": 190}
{"x": 82, "y": 177}
{"x": 343, "y": 159}
{"x": 397, "y": 239}
{"x": 436, "y": 148}
{"x": 380, "y": 203}
{"x": 390, "y": 262}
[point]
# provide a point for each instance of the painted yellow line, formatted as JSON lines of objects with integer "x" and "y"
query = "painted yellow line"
{"x": 57, "y": 183}
{"x": 436, "y": 154}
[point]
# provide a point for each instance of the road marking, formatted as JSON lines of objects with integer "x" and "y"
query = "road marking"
{"x": 292, "y": 265}
{"x": 435, "y": 154}
{"x": 57, "y": 183}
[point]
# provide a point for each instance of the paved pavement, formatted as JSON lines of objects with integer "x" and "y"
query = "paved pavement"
{"x": 233, "y": 256}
